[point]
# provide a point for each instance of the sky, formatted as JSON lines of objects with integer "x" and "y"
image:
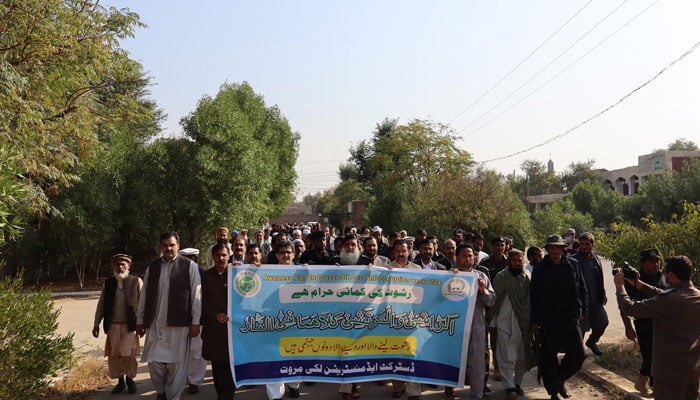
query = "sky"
{"x": 505, "y": 75}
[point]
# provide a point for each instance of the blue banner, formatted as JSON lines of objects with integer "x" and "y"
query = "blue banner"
{"x": 349, "y": 324}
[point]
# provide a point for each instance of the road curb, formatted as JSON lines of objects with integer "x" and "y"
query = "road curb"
{"x": 65, "y": 295}
{"x": 597, "y": 375}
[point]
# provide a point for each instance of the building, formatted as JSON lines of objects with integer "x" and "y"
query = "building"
{"x": 627, "y": 180}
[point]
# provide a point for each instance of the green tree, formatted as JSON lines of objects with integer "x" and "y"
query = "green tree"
{"x": 555, "y": 218}
{"x": 682, "y": 144}
{"x": 244, "y": 153}
{"x": 578, "y": 172}
{"x": 536, "y": 180}
{"x": 400, "y": 159}
{"x": 62, "y": 73}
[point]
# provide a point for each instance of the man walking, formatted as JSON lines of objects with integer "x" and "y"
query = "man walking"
{"x": 169, "y": 310}
{"x": 511, "y": 313}
{"x": 117, "y": 306}
{"x": 596, "y": 320}
{"x": 558, "y": 301}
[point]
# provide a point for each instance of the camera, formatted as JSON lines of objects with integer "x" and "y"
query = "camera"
{"x": 627, "y": 270}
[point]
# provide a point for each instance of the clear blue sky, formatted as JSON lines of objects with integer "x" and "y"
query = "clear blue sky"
{"x": 337, "y": 68}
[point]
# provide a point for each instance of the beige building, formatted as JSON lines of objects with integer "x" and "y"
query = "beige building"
{"x": 628, "y": 180}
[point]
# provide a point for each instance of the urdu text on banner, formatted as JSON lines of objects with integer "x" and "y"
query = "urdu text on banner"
{"x": 349, "y": 324}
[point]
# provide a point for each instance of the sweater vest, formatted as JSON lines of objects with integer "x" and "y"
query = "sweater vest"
{"x": 179, "y": 296}
{"x": 131, "y": 292}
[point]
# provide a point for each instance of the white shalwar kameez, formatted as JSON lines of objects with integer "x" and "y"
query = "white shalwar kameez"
{"x": 510, "y": 351}
{"x": 167, "y": 347}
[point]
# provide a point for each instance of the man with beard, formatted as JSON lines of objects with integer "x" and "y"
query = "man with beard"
{"x": 511, "y": 313}
{"x": 534, "y": 256}
{"x": 425, "y": 256}
{"x": 221, "y": 237}
{"x": 238, "y": 246}
{"x": 476, "y": 367}
{"x": 649, "y": 273}
{"x": 317, "y": 254}
{"x": 371, "y": 251}
{"x": 558, "y": 300}
{"x": 117, "y": 306}
{"x": 350, "y": 253}
{"x": 448, "y": 249}
{"x": 596, "y": 320}
{"x": 299, "y": 249}
{"x": 169, "y": 307}
{"x": 264, "y": 246}
{"x": 215, "y": 322}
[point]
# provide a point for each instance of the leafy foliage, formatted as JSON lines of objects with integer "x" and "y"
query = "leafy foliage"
{"x": 30, "y": 349}
{"x": 682, "y": 144}
{"x": 557, "y": 217}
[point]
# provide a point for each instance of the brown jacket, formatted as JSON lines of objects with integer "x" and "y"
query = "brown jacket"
{"x": 676, "y": 346}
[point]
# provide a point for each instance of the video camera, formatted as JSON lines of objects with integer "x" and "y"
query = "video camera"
{"x": 627, "y": 270}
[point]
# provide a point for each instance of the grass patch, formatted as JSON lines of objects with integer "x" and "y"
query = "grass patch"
{"x": 623, "y": 358}
{"x": 81, "y": 381}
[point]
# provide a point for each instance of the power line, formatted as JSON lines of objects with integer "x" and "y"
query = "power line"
{"x": 560, "y": 72}
{"x": 625, "y": 97}
{"x": 520, "y": 63}
{"x": 555, "y": 59}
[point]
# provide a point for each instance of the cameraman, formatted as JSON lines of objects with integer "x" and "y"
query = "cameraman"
{"x": 643, "y": 330}
{"x": 676, "y": 343}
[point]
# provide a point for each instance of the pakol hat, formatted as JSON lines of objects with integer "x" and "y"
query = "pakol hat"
{"x": 121, "y": 256}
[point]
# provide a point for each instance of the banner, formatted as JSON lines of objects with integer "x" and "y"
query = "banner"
{"x": 349, "y": 324}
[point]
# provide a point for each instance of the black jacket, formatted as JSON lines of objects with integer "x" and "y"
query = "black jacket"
{"x": 558, "y": 294}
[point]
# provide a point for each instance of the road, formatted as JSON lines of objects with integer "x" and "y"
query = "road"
{"x": 77, "y": 316}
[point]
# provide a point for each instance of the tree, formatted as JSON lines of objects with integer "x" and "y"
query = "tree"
{"x": 555, "y": 218}
{"x": 682, "y": 144}
{"x": 244, "y": 153}
{"x": 603, "y": 206}
{"x": 62, "y": 73}
{"x": 578, "y": 172}
{"x": 535, "y": 180}
{"x": 400, "y": 159}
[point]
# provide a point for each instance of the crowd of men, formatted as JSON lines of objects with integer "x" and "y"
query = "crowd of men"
{"x": 525, "y": 314}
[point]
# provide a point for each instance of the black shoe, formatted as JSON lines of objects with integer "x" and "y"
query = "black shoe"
{"x": 192, "y": 389}
{"x": 594, "y": 348}
{"x": 563, "y": 392}
{"x": 293, "y": 393}
{"x": 130, "y": 385}
{"x": 519, "y": 390}
{"x": 487, "y": 389}
{"x": 161, "y": 396}
{"x": 554, "y": 397}
{"x": 120, "y": 386}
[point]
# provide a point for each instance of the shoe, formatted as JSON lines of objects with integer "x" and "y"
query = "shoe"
{"x": 519, "y": 390}
{"x": 192, "y": 389}
{"x": 161, "y": 396}
{"x": 346, "y": 396}
{"x": 641, "y": 384}
{"x": 450, "y": 393}
{"x": 355, "y": 393}
{"x": 130, "y": 385}
{"x": 594, "y": 348}
{"x": 487, "y": 389}
{"x": 293, "y": 393}
{"x": 511, "y": 394}
{"x": 398, "y": 393}
{"x": 563, "y": 392}
{"x": 120, "y": 386}
{"x": 554, "y": 397}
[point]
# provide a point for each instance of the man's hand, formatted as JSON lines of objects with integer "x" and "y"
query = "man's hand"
{"x": 140, "y": 330}
{"x": 194, "y": 330}
{"x": 222, "y": 318}
{"x": 482, "y": 285}
{"x": 629, "y": 332}
{"x": 619, "y": 279}
{"x": 96, "y": 331}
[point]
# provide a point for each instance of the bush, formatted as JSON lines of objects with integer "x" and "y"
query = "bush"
{"x": 676, "y": 237}
{"x": 30, "y": 349}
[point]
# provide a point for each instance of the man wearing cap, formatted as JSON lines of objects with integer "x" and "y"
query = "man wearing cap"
{"x": 571, "y": 243}
{"x": 384, "y": 249}
{"x": 558, "y": 301}
{"x": 457, "y": 236}
{"x": 596, "y": 320}
{"x": 676, "y": 346}
{"x": 260, "y": 241}
{"x": 170, "y": 307}
{"x": 117, "y": 306}
{"x": 299, "y": 249}
{"x": 643, "y": 331}
{"x": 317, "y": 254}
{"x": 196, "y": 365}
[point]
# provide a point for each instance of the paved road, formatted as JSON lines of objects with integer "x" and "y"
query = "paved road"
{"x": 77, "y": 315}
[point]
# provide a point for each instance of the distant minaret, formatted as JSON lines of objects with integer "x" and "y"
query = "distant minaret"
{"x": 550, "y": 165}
